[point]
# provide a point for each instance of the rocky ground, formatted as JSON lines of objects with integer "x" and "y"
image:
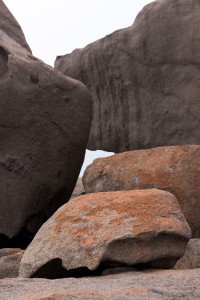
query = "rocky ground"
{"x": 148, "y": 285}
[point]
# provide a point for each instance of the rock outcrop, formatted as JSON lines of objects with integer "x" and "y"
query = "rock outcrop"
{"x": 144, "y": 79}
{"x": 173, "y": 169}
{"x": 45, "y": 120}
{"x": 155, "y": 285}
{"x": 9, "y": 262}
{"x": 116, "y": 228}
{"x": 191, "y": 258}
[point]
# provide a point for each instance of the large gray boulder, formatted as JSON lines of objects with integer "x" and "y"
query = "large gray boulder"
{"x": 45, "y": 120}
{"x": 144, "y": 79}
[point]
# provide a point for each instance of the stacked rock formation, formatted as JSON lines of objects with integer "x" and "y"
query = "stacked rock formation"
{"x": 141, "y": 207}
{"x": 42, "y": 143}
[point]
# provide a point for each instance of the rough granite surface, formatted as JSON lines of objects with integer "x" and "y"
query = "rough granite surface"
{"x": 173, "y": 169}
{"x": 124, "y": 227}
{"x": 149, "y": 285}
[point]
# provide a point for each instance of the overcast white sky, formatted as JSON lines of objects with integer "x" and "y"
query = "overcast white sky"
{"x": 57, "y": 27}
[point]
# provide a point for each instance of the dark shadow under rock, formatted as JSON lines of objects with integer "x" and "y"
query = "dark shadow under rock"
{"x": 54, "y": 270}
{"x": 118, "y": 270}
{"x": 22, "y": 240}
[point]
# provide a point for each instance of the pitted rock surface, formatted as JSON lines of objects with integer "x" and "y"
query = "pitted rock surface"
{"x": 144, "y": 79}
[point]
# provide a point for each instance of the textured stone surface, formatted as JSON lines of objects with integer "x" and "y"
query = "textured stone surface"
{"x": 42, "y": 142}
{"x": 174, "y": 169}
{"x": 9, "y": 262}
{"x": 191, "y": 258}
{"x": 165, "y": 285}
{"x": 144, "y": 79}
{"x": 125, "y": 227}
{"x": 79, "y": 189}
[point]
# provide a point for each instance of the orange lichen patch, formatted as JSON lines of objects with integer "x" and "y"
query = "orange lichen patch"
{"x": 146, "y": 211}
{"x": 173, "y": 169}
{"x": 123, "y": 226}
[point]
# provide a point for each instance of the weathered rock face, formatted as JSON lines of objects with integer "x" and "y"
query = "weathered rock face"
{"x": 174, "y": 169}
{"x": 9, "y": 262}
{"x": 125, "y": 227}
{"x": 158, "y": 285}
{"x": 144, "y": 79}
{"x": 42, "y": 143}
{"x": 10, "y": 27}
{"x": 191, "y": 258}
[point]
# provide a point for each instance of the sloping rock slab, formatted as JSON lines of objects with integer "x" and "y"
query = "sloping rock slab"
{"x": 174, "y": 169}
{"x": 191, "y": 258}
{"x": 158, "y": 285}
{"x": 45, "y": 120}
{"x": 144, "y": 79}
{"x": 9, "y": 262}
{"x": 125, "y": 227}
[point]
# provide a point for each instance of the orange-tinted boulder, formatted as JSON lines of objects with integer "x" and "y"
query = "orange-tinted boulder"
{"x": 173, "y": 169}
{"x": 124, "y": 227}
